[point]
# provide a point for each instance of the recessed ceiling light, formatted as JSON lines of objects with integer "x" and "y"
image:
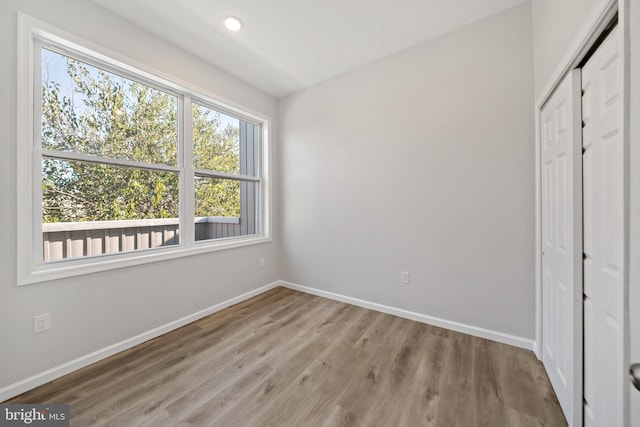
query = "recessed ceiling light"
{"x": 232, "y": 23}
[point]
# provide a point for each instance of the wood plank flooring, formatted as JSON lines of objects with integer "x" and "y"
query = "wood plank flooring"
{"x": 286, "y": 358}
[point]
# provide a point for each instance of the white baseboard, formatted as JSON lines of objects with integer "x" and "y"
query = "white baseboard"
{"x": 80, "y": 362}
{"x": 501, "y": 337}
{"x": 75, "y": 364}
{"x": 536, "y": 350}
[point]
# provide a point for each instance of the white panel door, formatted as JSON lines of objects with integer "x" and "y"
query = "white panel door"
{"x": 561, "y": 156}
{"x": 603, "y": 165}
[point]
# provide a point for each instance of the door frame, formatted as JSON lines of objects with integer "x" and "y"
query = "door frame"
{"x": 633, "y": 24}
{"x": 600, "y": 16}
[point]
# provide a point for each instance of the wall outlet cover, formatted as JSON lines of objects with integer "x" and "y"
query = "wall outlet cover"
{"x": 404, "y": 277}
{"x": 41, "y": 323}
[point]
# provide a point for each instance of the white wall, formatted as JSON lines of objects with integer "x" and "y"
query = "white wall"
{"x": 555, "y": 24}
{"x": 422, "y": 161}
{"x": 94, "y": 311}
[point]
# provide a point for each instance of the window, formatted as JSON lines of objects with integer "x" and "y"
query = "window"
{"x": 109, "y": 149}
{"x": 226, "y": 178}
{"x": 128, "y": 167}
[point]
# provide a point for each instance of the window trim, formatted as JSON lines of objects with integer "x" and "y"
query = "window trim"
{"x": 29, "y": 269}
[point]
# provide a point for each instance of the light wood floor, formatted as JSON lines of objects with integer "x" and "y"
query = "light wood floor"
{"x": 286, "y": 358}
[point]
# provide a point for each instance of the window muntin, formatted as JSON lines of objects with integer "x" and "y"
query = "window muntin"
{"x": 119, "y": 124}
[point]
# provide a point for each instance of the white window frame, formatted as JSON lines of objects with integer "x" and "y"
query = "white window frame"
{"x": 31, "y": 266}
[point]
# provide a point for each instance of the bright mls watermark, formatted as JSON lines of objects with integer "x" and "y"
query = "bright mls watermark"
{"x": 54, "y": 415}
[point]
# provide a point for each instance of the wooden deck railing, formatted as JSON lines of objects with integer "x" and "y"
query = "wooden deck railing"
{"x": 76, "y": 239}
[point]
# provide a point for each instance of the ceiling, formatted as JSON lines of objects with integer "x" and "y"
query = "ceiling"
{"x": 289, "y": 45}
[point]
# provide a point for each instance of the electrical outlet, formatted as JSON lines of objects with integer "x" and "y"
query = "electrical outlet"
{"x": 261, "y": 261}
{"x": 41, "y": 323}
{"x": 404, "y": 277}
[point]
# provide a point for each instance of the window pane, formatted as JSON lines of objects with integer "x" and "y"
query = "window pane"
{"x": 217, "y": 197}
{"x": 95, "y": 112}
{"x": 93, "y": 209}
{"x": 216, "y": 140}
{"x": 225, "y": 208}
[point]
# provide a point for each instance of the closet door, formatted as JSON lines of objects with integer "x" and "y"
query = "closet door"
{"x": 561, "y": 155}
{"x": 603, "y": 163}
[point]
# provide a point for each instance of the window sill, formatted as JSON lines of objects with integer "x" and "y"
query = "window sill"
{"x": 77, "y": 267}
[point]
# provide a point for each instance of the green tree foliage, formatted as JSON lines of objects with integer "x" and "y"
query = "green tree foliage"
{"x": 216, "y": 149}
{"x": 98, "y": 113}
